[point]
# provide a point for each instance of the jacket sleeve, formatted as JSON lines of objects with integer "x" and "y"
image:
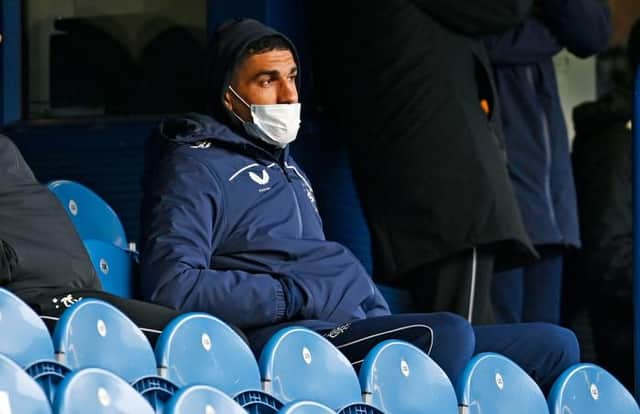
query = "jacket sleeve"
{"x": 476, "y": 17}
{"x": 181, "y": 235}
{"x": 529, "y": 42}
{"x": 583, "y": 26}
{"x": 8, "y": 261}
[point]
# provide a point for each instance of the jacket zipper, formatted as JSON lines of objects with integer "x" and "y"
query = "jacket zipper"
{"x": 295, "y": 199}
{"x": 547, "y": 152}
{"x": 472, "y": 290}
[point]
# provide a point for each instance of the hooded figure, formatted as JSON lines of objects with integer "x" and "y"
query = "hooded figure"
{"x": 230, "y": 224}
{"x": 29, "y": 261}
{"x": 603, "y": 169}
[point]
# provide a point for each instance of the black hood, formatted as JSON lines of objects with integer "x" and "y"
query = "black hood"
{"x": 226, "y": 46}
{"x": 590, "y": 118}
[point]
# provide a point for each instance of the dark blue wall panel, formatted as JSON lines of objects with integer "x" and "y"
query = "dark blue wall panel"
{"x": 105, "y": 156}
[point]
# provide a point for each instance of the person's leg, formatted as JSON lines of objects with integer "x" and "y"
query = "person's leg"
{"x": 543, "y": 287}
{"x": 149, "y": 317}
{"x": 543, "y": 350}
{"x": 507, "y": 295}
{"x": 460, "y": 284}
{"x": 446, "y": 337}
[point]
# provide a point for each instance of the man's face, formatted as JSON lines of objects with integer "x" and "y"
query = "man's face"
{"x": 263, "y": 79}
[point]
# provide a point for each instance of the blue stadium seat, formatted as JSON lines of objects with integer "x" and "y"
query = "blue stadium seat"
{"x": 18, "y": 392}
{"x": 299, "y": 364}
{"x": 588, "y": 388}
{"x": 27, "y": 342}
{"x": 398, "y": 377}
{"x": 197, "y": 348}
{"x": 95, "y": 390}
{"x": 92, "y": 217}
{"x": 93, "y": 333}
{"x": 306, "y": 407}
{"x": 492, "y": 383}
{"x": 113, "y": 265}
{"x": 202, "y": 399}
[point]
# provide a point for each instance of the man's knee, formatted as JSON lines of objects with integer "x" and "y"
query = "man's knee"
{"x": 560, "y": 342}
{"x": 454, "y": 332}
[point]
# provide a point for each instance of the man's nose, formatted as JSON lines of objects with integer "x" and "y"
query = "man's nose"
{"x": 288, "y": 93}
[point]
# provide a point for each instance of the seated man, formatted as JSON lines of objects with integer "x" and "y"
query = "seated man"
{"x": 230, "y": 226}
{"x": 42, "y": 259}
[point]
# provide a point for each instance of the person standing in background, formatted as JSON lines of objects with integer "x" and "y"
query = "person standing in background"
{"x": 603, "y": 167}
{"x": 417, "y": 107}
{"x": 538, "y": 147}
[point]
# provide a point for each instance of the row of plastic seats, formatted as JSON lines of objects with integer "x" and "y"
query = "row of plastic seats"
{"x": 296, "y": 364}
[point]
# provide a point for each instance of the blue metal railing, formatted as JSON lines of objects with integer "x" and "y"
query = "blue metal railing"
{"x": 636, "y": 229}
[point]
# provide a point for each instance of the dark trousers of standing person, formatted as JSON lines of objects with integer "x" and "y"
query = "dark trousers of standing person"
{"x": 460, "y": 283}
{"x": 531, "y": 293}
{"x": 543, "y": 350}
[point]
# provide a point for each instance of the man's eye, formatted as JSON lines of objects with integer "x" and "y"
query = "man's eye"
{"x": 265, "y": 83}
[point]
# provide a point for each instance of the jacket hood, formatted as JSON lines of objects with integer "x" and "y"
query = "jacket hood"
{"x": 591, "y": 117}
{"x": 226, "y": 46}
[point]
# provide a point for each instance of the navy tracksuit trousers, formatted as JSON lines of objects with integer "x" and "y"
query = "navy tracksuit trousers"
{"x": 542, "y": 350}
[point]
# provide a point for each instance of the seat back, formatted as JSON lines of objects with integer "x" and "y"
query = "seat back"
{"x": 27, "y": 339}
{"x": 93, "y": 333}
{"x": 299, "y": 364}
{"x": 19, "y": 393}
{"x": 588, "y": 388}
{"x": 97, "y": 391}
{"x": 398, "y": 377}
{"x": 306, "y": 407}
{"x": 492, "y": 383}
{"x": 113, "y": 265}
{"x": 202, "y": 399}
{"x": 197, "y": 348}
{"x": 92, "y": 217}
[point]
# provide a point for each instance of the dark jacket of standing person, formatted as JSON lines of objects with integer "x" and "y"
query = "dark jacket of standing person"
{"x": 428, "y": 161}
{"x": 39, "y": 248}
{"x": 533, "y": 123}
{"x": 603, "y": 173}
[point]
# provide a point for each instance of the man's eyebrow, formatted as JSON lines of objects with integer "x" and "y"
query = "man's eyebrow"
{"x": 274, "y": 73}
{"x": 270, "y": 73}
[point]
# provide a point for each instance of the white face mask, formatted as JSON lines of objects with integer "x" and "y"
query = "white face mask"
{"x": 275, "y": 124}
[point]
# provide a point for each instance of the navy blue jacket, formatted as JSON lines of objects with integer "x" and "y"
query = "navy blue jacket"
{"x": 533, "y": 123}
{"x": 232, "y": 229}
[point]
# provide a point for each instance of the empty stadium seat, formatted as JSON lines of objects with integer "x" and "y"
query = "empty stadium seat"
{"x": 27, "y": 342}
{"x": 299, "y": 364}
{"x": 92, "y": 217}
{"x": 492, "y": 383}
{"x": 197, "y": 348}
{"x": 398, "y": 377}
{"x": 202, "y": 399}
{"x": 306, "y": 407}
{"x": 588, "y": 388}
{"x": 98, "y": 391}
{"x": 93, "y": 333}
{"x": 18, "y": 392}
{"x": 113, "y": 265}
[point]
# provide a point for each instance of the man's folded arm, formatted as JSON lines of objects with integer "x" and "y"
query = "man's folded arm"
{"x": 528, "y": 43}
{"x": 181, "y": 239}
